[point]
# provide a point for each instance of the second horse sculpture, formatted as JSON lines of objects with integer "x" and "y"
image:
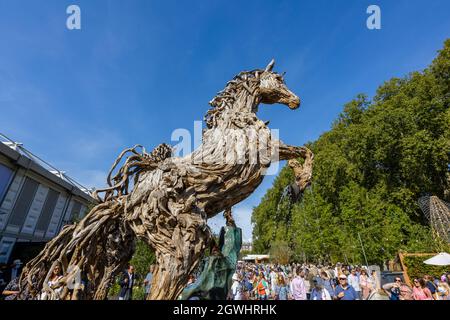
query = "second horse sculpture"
{"x": 171, "y": 198}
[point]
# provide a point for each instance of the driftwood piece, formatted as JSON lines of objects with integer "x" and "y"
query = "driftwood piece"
{"x": 303, "y": 172}
{"x": 171, "y": 198}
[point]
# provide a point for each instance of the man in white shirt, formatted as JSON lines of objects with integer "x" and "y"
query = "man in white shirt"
{"x": 273, "y": 280}
{"x": 236, "y": 288}
{"x": 353, "y": 280}
{"x": 298, "y": 288}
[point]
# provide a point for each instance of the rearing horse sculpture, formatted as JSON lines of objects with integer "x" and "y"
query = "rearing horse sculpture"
{"x": 172, "y": 198}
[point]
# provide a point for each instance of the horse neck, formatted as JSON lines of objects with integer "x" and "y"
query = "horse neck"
{"x": 237, "y": 118}
{"x": 241, "y": 108}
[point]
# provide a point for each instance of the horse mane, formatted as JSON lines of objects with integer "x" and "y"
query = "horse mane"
{"x": 225, "y": 99}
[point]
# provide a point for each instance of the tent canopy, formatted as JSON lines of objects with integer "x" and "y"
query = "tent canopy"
{"x": 442, "y": 259}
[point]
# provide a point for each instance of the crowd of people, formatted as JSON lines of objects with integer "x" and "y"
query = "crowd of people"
{"x": 332, "y": 282}
{"x": 291, "y": 282}
{"x": 127, "y": 281}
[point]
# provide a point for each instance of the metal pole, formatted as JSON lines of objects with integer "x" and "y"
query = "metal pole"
{"x": 364, "y": 252}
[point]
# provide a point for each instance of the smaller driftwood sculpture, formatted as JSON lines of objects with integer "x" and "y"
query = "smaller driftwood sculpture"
{"x": 171, "y": 198}
{"x": 218, "y": 268}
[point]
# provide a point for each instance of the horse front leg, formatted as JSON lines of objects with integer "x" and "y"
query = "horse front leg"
{"x": 287, "y": 152}
{"x": 302, "y": 171}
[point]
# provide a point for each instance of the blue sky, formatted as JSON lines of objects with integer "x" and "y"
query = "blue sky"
{"x": 137, "y": 70}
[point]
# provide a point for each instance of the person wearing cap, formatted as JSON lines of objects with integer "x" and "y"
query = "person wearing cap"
{"x": 236, "y": 287}
{"x": 17, "y": 264}
{"x": 319, "y": 292}
{"x": 344, "y": 291}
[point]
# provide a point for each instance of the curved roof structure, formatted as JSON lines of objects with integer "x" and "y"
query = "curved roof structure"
{"x": 437, "y": 212}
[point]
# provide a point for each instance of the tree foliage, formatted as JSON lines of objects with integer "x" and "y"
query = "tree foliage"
{"x": 370, "y": 169}
{"x": 143, "y": 258}
{"x": 417, "y": 269}
{"x": 280, "y": 252}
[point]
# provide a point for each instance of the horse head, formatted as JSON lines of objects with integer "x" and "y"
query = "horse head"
{"x": 272, "y": 88}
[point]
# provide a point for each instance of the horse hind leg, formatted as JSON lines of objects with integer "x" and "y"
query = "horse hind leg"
{"x": 97, "y": 247}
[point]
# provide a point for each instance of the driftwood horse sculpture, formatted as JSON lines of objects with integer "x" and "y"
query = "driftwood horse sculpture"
{"x": 171, "y": 198}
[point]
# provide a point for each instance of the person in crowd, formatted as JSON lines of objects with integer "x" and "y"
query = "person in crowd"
{"x": 148, "y": 282}
{"x": 247, "y": 286}
{"x": 309, "y": 276}
{"x": 353, "y": 281}
{"x": 15, "y": 268}
{"x": 358, "y": 271}
{"x": 236, "y": 288}
{"x": 126, "y": 284}
{"x": 429, "y": 282}
{"x": 191, "y": 283}
{"x": 262, "y": 287}
{"x": 254, "y": 282}
{"x": 290, "y": 281}
{"x": 398, "y": 290}
{"x": 53, "y": 289}
{"x": 443, "y": 290}
{"x": 266, "y": 271}
{"x": 420, "y": 290}
{"x": 191, "y": 280}
{"x": 365, "y": 284}
{"x": 327, "y": 283}
{"x": 12, "y": 289}
{"x": 375, "y": 280}
{"x": 319, "y": 292}
{"x": 282, "y": 289}
{"x": 273, "y": 281}
{"x": 330, "y": 272}
{"x": 282, "y": 274}
{"x": 298, "y": 288}
{"x": 344, "y": 291}
{"x": 337, "y": 270}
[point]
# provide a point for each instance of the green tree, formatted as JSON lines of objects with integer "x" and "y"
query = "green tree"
{"x": 142, "y": 259}
{"x": 280, "y": 252}
{"x": 370, "y": 169}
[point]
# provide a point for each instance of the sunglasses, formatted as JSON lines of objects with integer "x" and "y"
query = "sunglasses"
{"x": 342, "y": 279}
{"x": 398, "y": 280}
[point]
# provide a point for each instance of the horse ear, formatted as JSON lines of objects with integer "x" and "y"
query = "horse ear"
{"x": 270, "y": 65}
